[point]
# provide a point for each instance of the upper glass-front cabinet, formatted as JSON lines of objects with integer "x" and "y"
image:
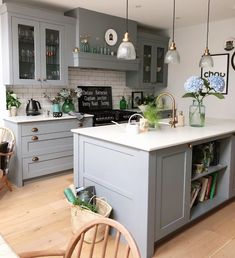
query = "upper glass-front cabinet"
{"x": 38, "y": 50}
{"x": 154, "y": 71}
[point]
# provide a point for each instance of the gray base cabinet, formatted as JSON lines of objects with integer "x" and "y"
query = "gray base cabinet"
{"x": 232, "y": 167}
{"x": 42, "y": 148}
{"x": 172, "y": 189}
{"x": 150, "y": 192}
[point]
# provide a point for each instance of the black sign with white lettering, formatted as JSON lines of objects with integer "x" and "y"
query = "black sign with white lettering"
{"x": 95, "y": 99}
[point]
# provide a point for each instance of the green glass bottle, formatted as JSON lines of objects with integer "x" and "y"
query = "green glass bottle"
{"x": 122, "y": 103}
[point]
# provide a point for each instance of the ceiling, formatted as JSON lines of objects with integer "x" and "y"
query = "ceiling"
{"x": 153, "y": 13}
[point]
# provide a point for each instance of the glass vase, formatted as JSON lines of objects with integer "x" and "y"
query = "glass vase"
{"x": 68, "y": 106}
{"x": 197, "y": 114}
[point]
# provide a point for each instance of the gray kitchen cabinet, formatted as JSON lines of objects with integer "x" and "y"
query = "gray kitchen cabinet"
{"x": 35, "y": 46}
{"x": 152, "y": 69}
{"x": 42, "y": 147}
{"x": 232, "y": 176}
{"x": 172, "y": 189}
{"x": 223, "y": 169}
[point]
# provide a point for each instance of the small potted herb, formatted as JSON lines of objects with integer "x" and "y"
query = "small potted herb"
{"x": 12, "y": 102}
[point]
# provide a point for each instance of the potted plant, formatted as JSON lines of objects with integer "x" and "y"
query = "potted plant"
{"x": 12, "y": 102}
{"x": 151, "y": 114}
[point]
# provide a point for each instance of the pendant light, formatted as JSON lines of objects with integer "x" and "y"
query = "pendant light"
{"x": 206, "y": 59}
{"x": 172, "y": 55}
{"x": 126, "y": 50}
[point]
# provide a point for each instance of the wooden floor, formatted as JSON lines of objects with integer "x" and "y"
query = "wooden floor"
{"x": 37, "y": 216}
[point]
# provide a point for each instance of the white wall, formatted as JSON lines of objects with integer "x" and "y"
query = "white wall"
{"x": 2, "y": 87}
{"x": 190, "y": 43}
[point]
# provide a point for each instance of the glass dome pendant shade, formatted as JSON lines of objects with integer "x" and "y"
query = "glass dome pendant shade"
{"x": 172, "y": 56}
{"x": 206, "y": 60}
{"x": 126, "y": 50}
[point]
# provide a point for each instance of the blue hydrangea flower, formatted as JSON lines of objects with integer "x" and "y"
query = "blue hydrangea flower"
{"x": 194, "y": 84}
{"x": 217, "y": 83}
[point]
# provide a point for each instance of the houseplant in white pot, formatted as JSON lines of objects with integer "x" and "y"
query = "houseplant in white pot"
{"x": 12, "y": 103}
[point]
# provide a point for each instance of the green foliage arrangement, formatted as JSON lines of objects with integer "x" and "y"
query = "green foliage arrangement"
{"x": 151, "y": 114}
{"x": 85, "y": 205}
{"x": 12, "y": 100}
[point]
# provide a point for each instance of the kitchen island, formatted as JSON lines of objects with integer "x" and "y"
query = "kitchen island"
{"x": 147, "y": 177}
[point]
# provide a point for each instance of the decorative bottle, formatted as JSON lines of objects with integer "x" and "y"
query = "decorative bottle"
{"x": 180, "y": 119}
{"x": 122, "y": 103}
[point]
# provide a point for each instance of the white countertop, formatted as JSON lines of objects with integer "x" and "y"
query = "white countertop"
{"x": 159, "y": 138}
{"x": 39, "y": 118}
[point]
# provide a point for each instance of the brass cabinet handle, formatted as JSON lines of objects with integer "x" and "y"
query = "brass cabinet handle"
{"x": 80, "y": 124}
{"x": 34, "y": 129}
{"x": 34, "y": 138}
{"x": 190, "y": 145}
{"x": 35, "y": 159}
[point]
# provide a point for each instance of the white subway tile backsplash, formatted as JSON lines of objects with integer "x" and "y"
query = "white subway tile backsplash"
{"x": 79, "y": 77}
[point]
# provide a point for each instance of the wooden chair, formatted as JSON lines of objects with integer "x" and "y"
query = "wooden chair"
{"x": 130, "y": 250}
{"x": 6, "y": 136}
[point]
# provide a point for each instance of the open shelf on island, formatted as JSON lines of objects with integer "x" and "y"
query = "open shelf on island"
{"x": 211, "y": 170}
{"x": 203, "y": 207}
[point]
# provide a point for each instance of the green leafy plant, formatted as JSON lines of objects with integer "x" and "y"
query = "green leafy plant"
{"x": 85, "y": 205}
{"x": 151, "y": 114}
{"x": 149, "y": 100}
{"x": 12, "y": 100}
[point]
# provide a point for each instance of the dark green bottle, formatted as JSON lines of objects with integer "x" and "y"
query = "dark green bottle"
{"x": 122, "y": 103}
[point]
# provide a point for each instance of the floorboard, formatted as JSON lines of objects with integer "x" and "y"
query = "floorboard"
{"x": 38, "y": 216}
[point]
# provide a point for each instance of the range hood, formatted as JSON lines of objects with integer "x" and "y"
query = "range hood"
{"x": 94, "y": 25}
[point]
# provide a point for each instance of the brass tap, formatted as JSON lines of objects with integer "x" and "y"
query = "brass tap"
{"x": 173, "y": 120}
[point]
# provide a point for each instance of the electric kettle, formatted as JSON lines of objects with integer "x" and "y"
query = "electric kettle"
{"x": 32, "y": 108}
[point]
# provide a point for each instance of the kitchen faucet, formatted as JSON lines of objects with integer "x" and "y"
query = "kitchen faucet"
{"x": 173, "y": 120}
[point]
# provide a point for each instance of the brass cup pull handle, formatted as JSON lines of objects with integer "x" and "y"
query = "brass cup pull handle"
{"x": 190, "y": 146}
{"x": 35, "y": 159}
{"x": 34, "y": 129}
{"x": 34, "y": 138}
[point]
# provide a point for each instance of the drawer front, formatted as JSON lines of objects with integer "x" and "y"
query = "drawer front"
{"x": 47, "y": 164}
{"x": 47, "y": 143}
{"x": 49, "y": 127}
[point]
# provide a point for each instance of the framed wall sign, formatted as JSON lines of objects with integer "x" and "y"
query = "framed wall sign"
{"x": 137, "y": 98}
{"x": 220, "y": 68}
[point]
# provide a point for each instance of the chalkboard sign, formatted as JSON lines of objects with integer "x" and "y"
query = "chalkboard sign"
{"x": 95, "y": 98}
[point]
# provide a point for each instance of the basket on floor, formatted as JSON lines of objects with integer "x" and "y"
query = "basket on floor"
{"x": 80, "y": 216}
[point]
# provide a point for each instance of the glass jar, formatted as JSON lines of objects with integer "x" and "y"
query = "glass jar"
{"x": 197, "y": 114}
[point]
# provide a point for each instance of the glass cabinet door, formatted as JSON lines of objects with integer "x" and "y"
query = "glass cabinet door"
{"x": 26, "y": 52}
{"x": 52, "y": 41}
{"x": 53, "y": 61}
{"x": 159, "y": 69}
{"x": 147, "y": 63}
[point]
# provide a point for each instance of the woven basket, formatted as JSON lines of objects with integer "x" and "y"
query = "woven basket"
{"x": 80, "y": 216}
